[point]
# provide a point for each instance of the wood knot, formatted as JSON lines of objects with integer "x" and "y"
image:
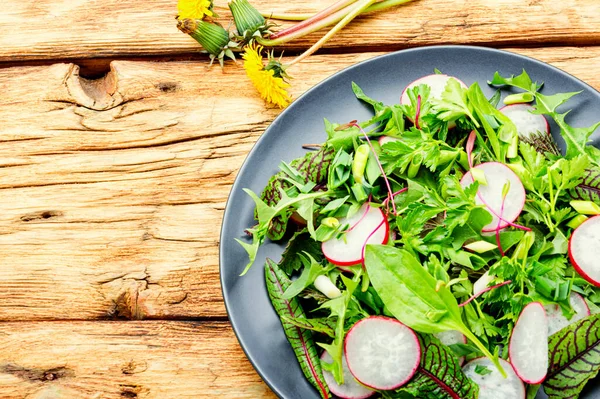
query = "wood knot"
{"x": 134, "y": 367}
{"x": 40, "y": 215}
{"x": 97, "y": 94}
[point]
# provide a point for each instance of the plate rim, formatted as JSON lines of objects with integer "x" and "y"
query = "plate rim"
{"x": 290, "y": 108}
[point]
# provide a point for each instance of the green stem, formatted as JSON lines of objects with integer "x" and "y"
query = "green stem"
{"x": 362, "y": 5}
{"x": 325, "y": 22}
{"x": 483, "y": 349}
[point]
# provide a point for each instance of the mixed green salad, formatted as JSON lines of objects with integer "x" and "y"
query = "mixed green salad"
{"x": 444, "y": 248}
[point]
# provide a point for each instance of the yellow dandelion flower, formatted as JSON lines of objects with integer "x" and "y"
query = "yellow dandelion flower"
{"x": 194, "y": 9}
{"x": 272, "y": 88}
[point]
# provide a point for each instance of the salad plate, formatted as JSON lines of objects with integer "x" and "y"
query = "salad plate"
{"x": 255, "y": 322}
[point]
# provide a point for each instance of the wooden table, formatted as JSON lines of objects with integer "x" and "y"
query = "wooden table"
{"x": 118, "y": 148}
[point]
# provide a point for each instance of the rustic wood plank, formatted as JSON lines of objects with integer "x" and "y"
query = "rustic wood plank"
{"x": 116, "y": 212}
{"x": 50, "y": 29}
{"x": 107, "y": 360}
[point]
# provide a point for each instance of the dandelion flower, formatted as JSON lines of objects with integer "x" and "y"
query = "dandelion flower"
{"x": 194, "y": 9}
{"x": 269, "y": 81}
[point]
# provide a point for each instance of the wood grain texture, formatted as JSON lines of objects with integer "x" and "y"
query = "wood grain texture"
{"x": 74, "y": 29}
{"x": 113, "y": 190}
{"x": 117, "y": 360}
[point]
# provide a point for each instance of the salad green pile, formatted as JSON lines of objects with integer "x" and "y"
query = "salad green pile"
{"x": 424, "y": 274}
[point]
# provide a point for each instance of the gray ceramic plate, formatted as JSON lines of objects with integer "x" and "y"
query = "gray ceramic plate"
{"x": 254, "y": 321}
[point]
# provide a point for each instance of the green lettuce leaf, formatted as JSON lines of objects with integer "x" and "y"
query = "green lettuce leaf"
{"x": 574, "y": 358}
{"x": 301, "y": 339}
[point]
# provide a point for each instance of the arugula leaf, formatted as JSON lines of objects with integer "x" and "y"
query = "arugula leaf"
{"x": 312, "y": 167}
{"x": 312, "y": 270}
{"x": 360, "y": 94}
{"x": 299, "y": 243}
{"x": 522, "y": 81}
{"x": 576, "y": 138}
{"x": 574, "y": 358}
{"x": 413, "y": 296}
{"x": 266, "y": 214}
{"x": 338, "y": 308}
{"x": 300, "y": 339}
{"x": 439, "y": 375}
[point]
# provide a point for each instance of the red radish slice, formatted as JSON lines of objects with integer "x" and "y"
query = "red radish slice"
{"x": 557, "y": 320}
{"x": 382, "y": 353}
{"x": 528, "y": 346}
{"x": 387, "y": 139}
{"x": 527, "y": 123}
{"x": 452, "y": 337}
{"x": 348, "y": 249}
{"x": 497, "y": 175}
{"x": 350, "y": 389}
{"x": 493, "y": 385}
{"x": 436, "y": 82}
{"x": 584, "y": 250}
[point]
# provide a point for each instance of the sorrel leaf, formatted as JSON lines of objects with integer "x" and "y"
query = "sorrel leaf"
{"x": 300, "y": 339}
{"x": 589, "y": 188}
{"x": 574, "y": 358}
{"x": 440, "y": 375}
{"x": 321, "y": 325}
{"x": 312, "y": 167}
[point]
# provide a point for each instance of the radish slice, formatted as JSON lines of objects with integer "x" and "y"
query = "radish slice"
{"x": 528, "y": 347}
{"x": 527, "y": 123}
{"x": 348, "y": 249}
{"x": 584, "y": 250}
{"x": 382, "y": 353}
{"x": 557, "y": 321}
{"x": 436, "y": 82}
{"x": 387, "y": 139}
{"x": 350, "y": 389}
{"x": 493, "y": 385}
{"x": 497, "y": 175}
{"x": 452, "y": 337}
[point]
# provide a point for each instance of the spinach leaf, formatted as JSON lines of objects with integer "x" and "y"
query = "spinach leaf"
{"x": 574, "y": 358}
{"x": 439, "y": 375}
{"x": 413, "y": 296}
{"x": 301, "y": 339}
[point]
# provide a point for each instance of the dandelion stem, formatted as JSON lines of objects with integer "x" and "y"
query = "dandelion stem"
{"x": 362, "y": 5}
{"x": 381, "y": 5}
{"x": 340, "y": 4}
